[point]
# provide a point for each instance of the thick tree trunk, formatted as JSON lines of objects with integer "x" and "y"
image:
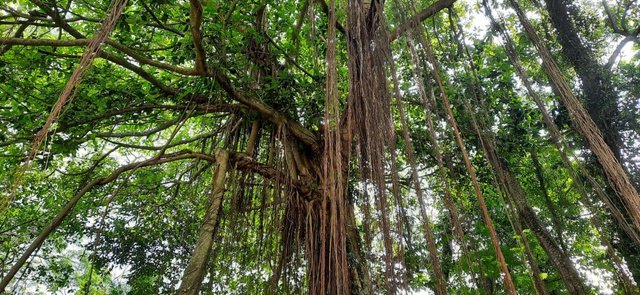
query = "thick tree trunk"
{"x": 584, "y": 124}
{"x": 195, "y": 271}
{"x": 600, "y": 99}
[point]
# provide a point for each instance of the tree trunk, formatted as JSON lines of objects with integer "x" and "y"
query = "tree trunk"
{"x": 538, "y": 284}
{"x": 559, "y": 258}
{"x": 584, "y": 124}
{"x": 195, "y": 271}
{"x": 600, "y": 99}
{"x": 555, "y": 218}
{"x": 358, "y": 267}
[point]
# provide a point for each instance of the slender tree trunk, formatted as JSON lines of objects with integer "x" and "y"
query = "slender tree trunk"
{"x": 359, "y": 268}
{"x": 195, "y": 271}
{"x": 441, "y": 283}
{"x": 555, "y": 218}
{"x": 535, "y": 269}
{"x": 559, "y": 258}
{"x": 426, "y": 97}
{"x": 483, "y": 283}
{"x": 508, "y": 282}
{"x": 401, "y": 274}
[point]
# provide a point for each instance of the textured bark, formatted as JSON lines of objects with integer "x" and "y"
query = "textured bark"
{"x": 600, "y": 99}
{"x": 195, "y": 271}
{"x": 629, "y": 241}
{"x": 253, "y": 138}
{"x": 195, "y": 21}
{"x": 584, "y": 124}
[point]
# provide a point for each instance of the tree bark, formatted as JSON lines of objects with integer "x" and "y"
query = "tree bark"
{"x": 584, "y": 124}
{"x": 600, "y": 99}
{"x": 195, "y": 271}
{"x": 559, "y": 258}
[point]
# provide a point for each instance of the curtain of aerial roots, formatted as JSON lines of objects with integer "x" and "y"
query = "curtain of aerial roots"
{"x": 556, "y": 136}
{"x": 429, "y": 104}
{"x": 426, "y": 46}
{"x": 441, "y": 284}
{"x": 328, "y": 271}
{"x": 368, "y": 105}
{"x": 556, "y": 139}
{"x": 514, "y": 190}
{"x": 442, "y": 177}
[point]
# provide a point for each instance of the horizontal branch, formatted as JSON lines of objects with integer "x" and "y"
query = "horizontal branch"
{"x": 297, "y": 130}
{"x": 238, "y": 161}
{"x": 420, "y": 17}
{"x": 43, "y": 42}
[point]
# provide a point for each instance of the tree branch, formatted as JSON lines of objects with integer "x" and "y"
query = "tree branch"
{"x": 17, "y": 34}
{"x": 266, "y": 111}
{"x": 421, "y": 16}
{"x": 160, "y": 24}
{"x": 195, "y": 21}
{"x": 616, "y": 52}
{"x": 239, "y": 161}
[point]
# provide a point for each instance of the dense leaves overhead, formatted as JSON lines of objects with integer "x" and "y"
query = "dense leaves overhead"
{"x": 320, "y": 147}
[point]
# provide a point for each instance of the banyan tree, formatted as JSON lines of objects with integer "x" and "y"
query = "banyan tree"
{"x": 319, "y": 147}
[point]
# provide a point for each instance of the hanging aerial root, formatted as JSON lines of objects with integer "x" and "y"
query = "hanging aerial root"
{"x": 91, "y": 52}
{"x": 441, "y": 284}
{"x": 584, "y": 124}
{"x": 508, "y": 282}
{"x": 328, "y": 271}
{"x": 557, "y": 139}
{"x": 368, "y": 105}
